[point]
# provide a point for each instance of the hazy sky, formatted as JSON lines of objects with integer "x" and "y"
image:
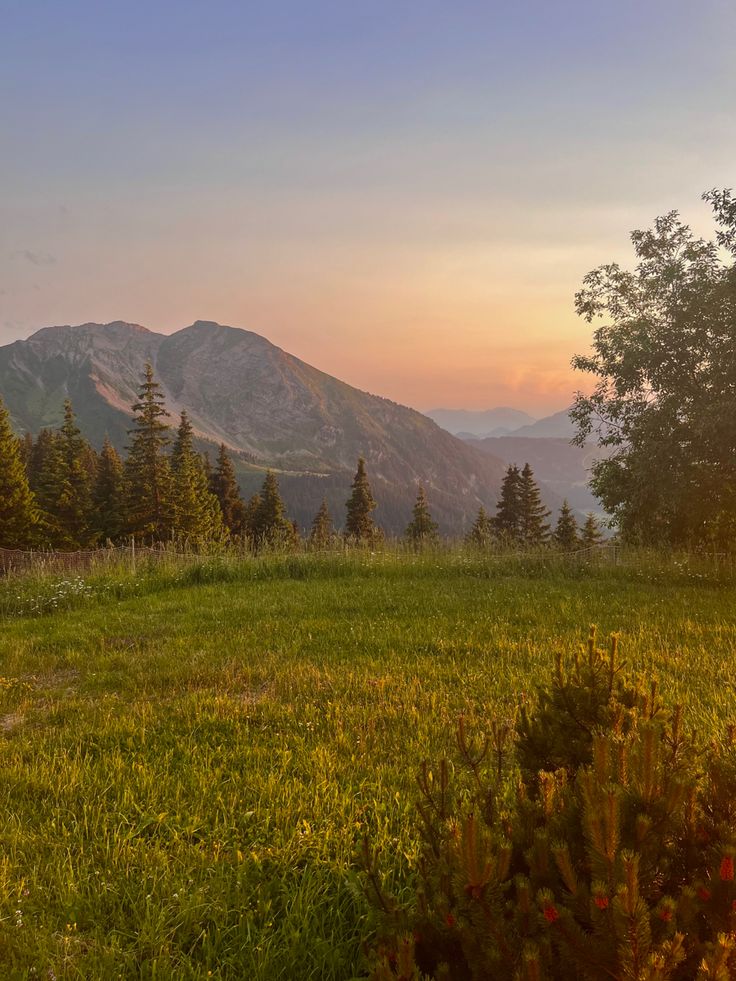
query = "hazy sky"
{"x": 405, "y": 194}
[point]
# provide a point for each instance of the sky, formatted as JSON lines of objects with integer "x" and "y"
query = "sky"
{"x": 404, "y": 193}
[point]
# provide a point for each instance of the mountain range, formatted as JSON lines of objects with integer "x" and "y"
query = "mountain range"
{"x": 270, "y": 408}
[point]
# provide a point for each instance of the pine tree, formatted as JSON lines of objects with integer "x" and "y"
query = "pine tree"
{"x": 224, "y": 486}
{"x": 359, "y": 526}
{"x": 18, "y": 511}
{"x": 271, "y": 526}
{"x": 195, "y": 512}
{"x": 147, "y": 470}
{"x": 74, "y": 501}
{"x": 322, "y": 532}
{"x": 108, "y": 495}
{"x": 608, "y": 853}
{"x": 533, "y": 527}
{"x": 482, "y": 533}
{"x": 566, "y": 529}
{"x": 53, "y": 490}
{"x": 507, "y": 520}
{"x": 592, "y": 534}
{"x": 421, "y": 529}
{"x": 250, "y": 519}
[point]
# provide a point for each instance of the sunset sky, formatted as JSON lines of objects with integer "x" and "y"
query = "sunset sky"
{"x": 405, "y": 194}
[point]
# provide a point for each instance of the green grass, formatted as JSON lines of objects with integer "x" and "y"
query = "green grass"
{"x": 190, "y": 755}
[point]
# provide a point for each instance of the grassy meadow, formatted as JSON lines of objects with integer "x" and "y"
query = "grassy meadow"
{"x": 190, "y": 755}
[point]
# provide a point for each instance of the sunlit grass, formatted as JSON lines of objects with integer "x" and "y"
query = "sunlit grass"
{"x": 191, "y": 754}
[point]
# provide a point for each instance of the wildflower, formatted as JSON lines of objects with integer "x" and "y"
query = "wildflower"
{"x": 550, "y": 913}
{"x": 601, "y": 902}
{"x": 665, "y": 914}
{"x": 703, "y": 894}
{"x": 450, "y": 920}
{"x": 726, "y": 870}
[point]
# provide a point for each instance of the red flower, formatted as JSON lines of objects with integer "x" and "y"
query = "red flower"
{"x": 665, "y": 914}
{"x": 450, "y": 920}
{"x": 601, "y": 902}
{"x": 704, "y": 894}
{"x": 550, "y": 913}
{"x": 727, "y": 868}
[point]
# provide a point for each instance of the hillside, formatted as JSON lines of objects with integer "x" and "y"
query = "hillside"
{"x": 270, "y": 407}
{"x": 562, "y": 467}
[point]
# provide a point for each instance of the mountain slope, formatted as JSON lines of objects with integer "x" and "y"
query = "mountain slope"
{"x": 557, "y": 426}
{"x": 274, "y": 409}
{"x": 485, "y": 422}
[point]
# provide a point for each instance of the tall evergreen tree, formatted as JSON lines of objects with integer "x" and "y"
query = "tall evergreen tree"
{"x": 108, "y": 494}
{"x": 359, "y": 526}
{"x": 54, "y": 491}
{"x": 421, "y": 530}
{"x": 195, "y": 512}
{"x": 18, "y": 511}
{"x": 271, "y": 526}
{"x": 507, "y": 520}
{"x": 322, "y": 532}
{"x": 481, "y": 534}
{"x": 74, "y": 502}
{"x": 566, "y": 529}
{"x": 147, "y": 470}
{"x": 533, "y": 526}
{"x": 592, "y": 534}
{"x": 224, "y": 486}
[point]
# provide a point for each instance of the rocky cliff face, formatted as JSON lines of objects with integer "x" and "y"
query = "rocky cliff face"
{"x": 273, "y": 408}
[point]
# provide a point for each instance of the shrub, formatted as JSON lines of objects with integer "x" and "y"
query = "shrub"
{"x": 588, "y": 838}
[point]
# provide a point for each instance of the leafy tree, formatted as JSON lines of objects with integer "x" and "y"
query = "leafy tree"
{"x": 359, "y": 526}
{"x": 591, "y": 534}
{"x": 421, "y": 529}
{"x": 18, "y": 511}
{"x": 195, "y": 512}
{"x": 533, "y": 527}
{"x": 224, "y": 486}
{"x": 108, "y": 494}
{"x": 147, "y": 470}
{"x": 566, "y": 530}
{"x": 507, "y": 520}
{"x": 482, "y": 533}
{"x": 322, "y": 532}
{"x": 664, "y": 401}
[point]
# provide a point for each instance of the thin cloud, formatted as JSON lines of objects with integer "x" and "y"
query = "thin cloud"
{"x": 35, "y": 258}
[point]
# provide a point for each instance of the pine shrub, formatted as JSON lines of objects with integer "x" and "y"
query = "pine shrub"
{"x": 590, "y": 837}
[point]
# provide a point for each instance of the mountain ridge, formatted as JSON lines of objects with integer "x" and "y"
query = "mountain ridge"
{"x": 272, "y": 408}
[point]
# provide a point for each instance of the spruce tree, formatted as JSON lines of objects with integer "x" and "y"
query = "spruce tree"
{"x": 74, "y": 509}
{"x": 224, "y": 486}
{"x": 566, "y": 529}
{"x": 533, "y": 527}
{"x": 53, "y": 490}
{"x": 271, "y": 526}
{"x": 359, "y": 525}
{"x": 507, "y": 521}
{"x": 108, "y": 495}
{"x": 147, "y": 470}
{"x": 195, "y": 512}
{"x": 421, "y": 529}
{"x": 250, "y": 519}
{"x": 482, "y": 533}
{"x": 322, "y": 532}
{"x": 592, "y": 534}
{"x": 18, "y": 511}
